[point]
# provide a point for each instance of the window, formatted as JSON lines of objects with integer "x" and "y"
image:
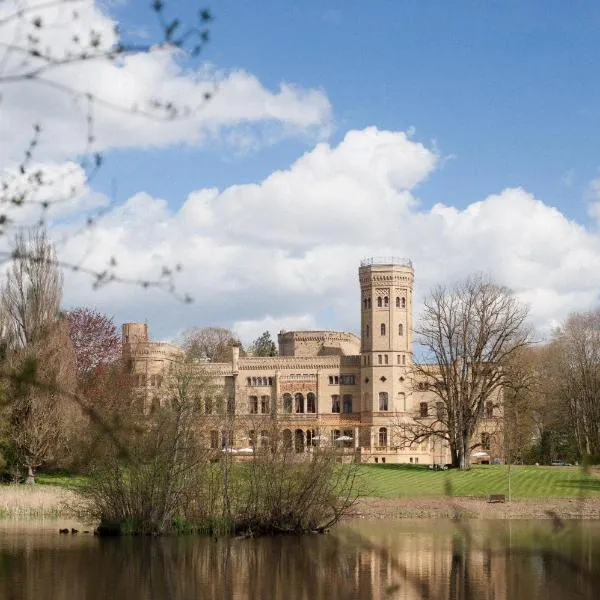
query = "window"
{"x": 422, "y": 386}
{"x": 382, "y": 436}
{"x": 254, "y": 381}
{"x": 286, "y": 436}
{"x": 365, "y": 305}
{"x": 287, "y": 403}
{"x": 230, "y": 406}
{"x": 400, "y": 329}
{"x": 385, "y": 359}
{"x": 347, "y": 379}
{"x": 439, "y": 409}
{"x": 383, "y": 400}
{"x": 208, "y": 406}
{"x": 383, "y": 459}
{"x": 252, "y": 438}
{"x": 334, "y": 380}
{"x": 299, "y": 403}
{"x": 214, "y": 439}
{"x": 264, "y": 404}
{"x": 411, "y": 459}
{"x": 402, "y": 400}
{"x": 368, "y": 302}
{"x": 367, "y": 331}
{"x": 379, "y": 359}
{"x": 485, "y": 441}
{"x": 398, "y": 359}
{"x": 378, "y": 301}
{"x": 397, "y": 301}
{"x": 311, "y": 403}
{"x": 489, "y": 409}
{"x": 253, "y": 405}
{"x": 226, "y": 439}
{"x": 376, "y": 460}
{"x": 270, "y": 380}
{"x": 382, "y": 328}
{"x": 423, "y": 409}
{"x": 335, "y": 403}
{"x": 403, "y": 359}
{"x": 347, "y": 403}
{"x": 403, "y": 302}
{"x": 386, "y": 302}
{"x": 249, "y": 380}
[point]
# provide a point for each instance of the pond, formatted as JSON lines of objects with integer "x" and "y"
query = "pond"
{"x": 359, "y": 560}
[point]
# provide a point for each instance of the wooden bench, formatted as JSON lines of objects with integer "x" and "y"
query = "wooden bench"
{"x": 494, "y": 498}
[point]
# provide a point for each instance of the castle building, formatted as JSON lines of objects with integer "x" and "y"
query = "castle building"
{"x": 324, "y": 387}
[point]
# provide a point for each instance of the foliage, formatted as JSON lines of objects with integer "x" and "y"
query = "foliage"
{"x": 263, "y": 345}
{"x": 95, "y": 339}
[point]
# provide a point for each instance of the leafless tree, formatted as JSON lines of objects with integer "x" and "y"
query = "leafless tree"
{"x": 577, "y": 377}
{"x": 209, "y": 343}
{"x": 467, "y": 332}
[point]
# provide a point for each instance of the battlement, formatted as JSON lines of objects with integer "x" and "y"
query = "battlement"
{"x": 386, "y": 261}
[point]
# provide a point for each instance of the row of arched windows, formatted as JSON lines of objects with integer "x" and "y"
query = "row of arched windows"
{"x": 254, "y": 406}
{"x": 384, "y": 302}
{"x": 382, "y": 329}
{"x": 297, "y": 404}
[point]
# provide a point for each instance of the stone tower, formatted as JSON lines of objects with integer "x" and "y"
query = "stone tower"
{"x": 386, "y": 288}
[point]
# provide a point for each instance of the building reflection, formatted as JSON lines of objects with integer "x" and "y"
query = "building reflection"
{"x": 434, "y": 560}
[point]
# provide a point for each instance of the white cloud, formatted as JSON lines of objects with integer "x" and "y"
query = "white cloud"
{"x": 248, "y": 331}
{"x": 258, "y": 255}
{"x": 592, "y": 195}
{"x": 242, "y": 111}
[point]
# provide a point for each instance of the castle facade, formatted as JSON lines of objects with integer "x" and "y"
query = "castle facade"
{"x": 325, "y": 387}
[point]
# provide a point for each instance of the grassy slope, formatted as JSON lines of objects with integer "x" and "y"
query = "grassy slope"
{"x": 405, "y": 481}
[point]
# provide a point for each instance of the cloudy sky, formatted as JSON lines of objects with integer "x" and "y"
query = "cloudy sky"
{"x": 462, "y": 135}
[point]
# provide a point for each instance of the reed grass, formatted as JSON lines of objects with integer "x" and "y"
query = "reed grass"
{"x": 34, "y": 501}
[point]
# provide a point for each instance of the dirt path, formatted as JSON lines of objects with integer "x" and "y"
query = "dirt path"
{"x": 476, "y": 508}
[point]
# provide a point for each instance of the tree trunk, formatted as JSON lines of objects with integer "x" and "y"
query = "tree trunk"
{"x": 463, "y": 453}
{"x": 30, "y": 476}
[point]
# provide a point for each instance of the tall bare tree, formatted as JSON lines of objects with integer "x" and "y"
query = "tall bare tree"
{"x": 209, "y": 343}
{"x": 39, "y": 361}
{"x": 577, "y": 377}
{"x": 467, "y": 332}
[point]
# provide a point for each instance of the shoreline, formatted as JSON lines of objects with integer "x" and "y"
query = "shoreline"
{"x": 52, "y": 502}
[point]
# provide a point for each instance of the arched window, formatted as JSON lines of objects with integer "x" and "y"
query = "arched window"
{"x": 365, "y": 305}
{"x": 385, "y": 356}
{"x": 383, "y": 400}
{"x": 254, "y": 381}
{"x": 335, "y": 403}
{"x": 368, "y": 302}
{"x": 386, "y": 301}
{"x": 367, "y": 328}
{"x": 402, "y": 400}
{"x": 286, "y": 438}
{"x": 403, "y": 359}
{"x": 382, "y": 436}
{"x": 287, "y": 403}
{"x": 299, "y": 403}
{"x": 264, "y": 404}
{"x": 299, "y": 440}
{"x": 403, "y": 302}
{"x": 208, "y": 406}
{"x": 489, "y": 409}
{"x": 382, "y": 328}
{"x": 264, "y": 438}
{"x": 214, "y": 439}
{"x": 253, "y": 405}
{"x": 311, "y": 403}
{"x": 400, "y": 329}
{"x": 378, "y": 301}
{"x": 347, "y": 403}
{"x": 397, "y": 301}
{"x": 423, "y": 409}
{"x": 485, "y": 440}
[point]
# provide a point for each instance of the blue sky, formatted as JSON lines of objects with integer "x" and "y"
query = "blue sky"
{"x": 508, "y": 90}
{"x": 461, "y": 134}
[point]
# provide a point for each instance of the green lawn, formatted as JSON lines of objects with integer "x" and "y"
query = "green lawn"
{"x": 402, "y": 481}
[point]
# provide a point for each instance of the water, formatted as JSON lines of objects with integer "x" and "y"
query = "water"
{"x": 396, "y": 559}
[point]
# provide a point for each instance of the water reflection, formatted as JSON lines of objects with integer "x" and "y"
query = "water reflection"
{"x": 410, "y": 560}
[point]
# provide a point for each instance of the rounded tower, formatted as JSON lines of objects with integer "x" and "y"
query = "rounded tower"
{"x": 386, "y": 291}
